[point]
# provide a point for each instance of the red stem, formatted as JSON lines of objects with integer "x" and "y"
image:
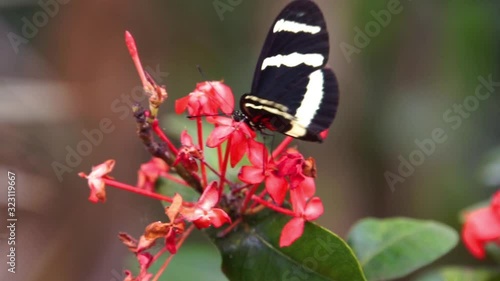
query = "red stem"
{"x": 199, "y": 126}
{"x": 224, "y": 166}
{"x": 284, "y": 144}
{"x": 236, "y": 190}
{"x": 261, "y": 195}
{"x": 215, "y": 172}
{"x": 132, "y": 48}
{"x": 273, "y": 207}
{"x": 163, "y": 137}
{"x": 179, "y": 244}
{"x": 248, "y": 197}
{"x": 142, "y": 192}
{"x": 175, "y": 179}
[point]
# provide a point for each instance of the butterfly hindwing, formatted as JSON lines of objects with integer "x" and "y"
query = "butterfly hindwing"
{"x": 292, "y": 92}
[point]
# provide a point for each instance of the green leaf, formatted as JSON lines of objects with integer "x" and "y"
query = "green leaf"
{"x": 456, "y": 273}
{"x": 392, "y": 248}
{"x": 251, "y": 252}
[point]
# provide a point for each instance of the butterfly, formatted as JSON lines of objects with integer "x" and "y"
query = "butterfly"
{"x": 293, "y": 92}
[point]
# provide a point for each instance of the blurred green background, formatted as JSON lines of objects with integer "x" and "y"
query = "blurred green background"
{"x": 72, "y": 70}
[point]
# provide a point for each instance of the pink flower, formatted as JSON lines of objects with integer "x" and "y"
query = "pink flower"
{"x": 481, "y": 227}
{"x": 295, "y": 227}
{"x": 203, "y": 214}
{"x": 149, "y": 173}
{"x": 95, "y": 180}
{"x": 240, "y": 135}
{"x": 263, "y": 170}
{"x": 188, "y": 153}
{"x": 207, "y": 99}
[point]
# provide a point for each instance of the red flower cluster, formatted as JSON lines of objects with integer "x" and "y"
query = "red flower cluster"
{"x": 206, "y": 100}
{"x": 482, "y": 226}
{"x": 285, "y": 173}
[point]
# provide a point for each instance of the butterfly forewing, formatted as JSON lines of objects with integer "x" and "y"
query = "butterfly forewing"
{"x": 292, "y": 92}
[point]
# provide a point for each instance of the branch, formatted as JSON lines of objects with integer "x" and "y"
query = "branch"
{"x": 145, "y": 133}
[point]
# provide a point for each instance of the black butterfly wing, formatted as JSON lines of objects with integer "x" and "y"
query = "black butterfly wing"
{"x": 291, "y": 62}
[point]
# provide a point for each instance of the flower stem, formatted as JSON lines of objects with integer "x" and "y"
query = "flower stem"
{"x": 179, "y": 244}
{"x": 132, "y": 48}
{"x": 224, "y": 166}
{"x": 282, "y": 147}
{"x": 199, "y": 126}
{"x": 273, "y": 207}
{"x": 145, "y": 133}
{"x": 143, "y": 192}
{"x": 230, "y": 183}
{"x": 229, "y": 228}
{"x": 174, "y": 179}
{"x": 163, "y": 137}
{"x": 248, "y": 197}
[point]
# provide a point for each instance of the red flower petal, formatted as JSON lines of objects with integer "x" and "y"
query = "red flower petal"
{"x": 308, "y": 186}
{"x": 218, "y": 217}
{"x": 209, "y": 198}
{"x": 238, "y": 148}
{"x": 291, "y": 231}
{"x": 170, "y": 242}
{"x": 251, "y": 175}
{"x": 224, "y": 96}
{"x": 218, "y": 135}
{"x": 223, "y": 121}
{"x": 144, "y": 260}
{"x": 202, "y": 222}
{"x": 181, "y": 104}
{"x": 186, "y": 139}
{"x": 481, "y": 227}
{"x": 314, "y": 209}
{"x": 257, "y": 153}
{"x": 145, "y": 243}
{"x": 474, "y": 245}
{"x": 174, "y": 208}
{"x": 277, "y": 188}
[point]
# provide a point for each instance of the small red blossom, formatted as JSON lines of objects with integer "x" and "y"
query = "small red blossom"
{"x": 95, "y": 180}
{"x": 481, "y": 227}
{"x": 292, "y": 164}
{"x": 264, "y": 170}
{"x": 188, "y": 153}
{"x": 207, "y": 99}
{"x": 203, "y": 214}
{"x": 239, "y": 133}
{"x": 144, "y": 260}
{"x": 149, "y": 173}
{"x": 295, "y": 227}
